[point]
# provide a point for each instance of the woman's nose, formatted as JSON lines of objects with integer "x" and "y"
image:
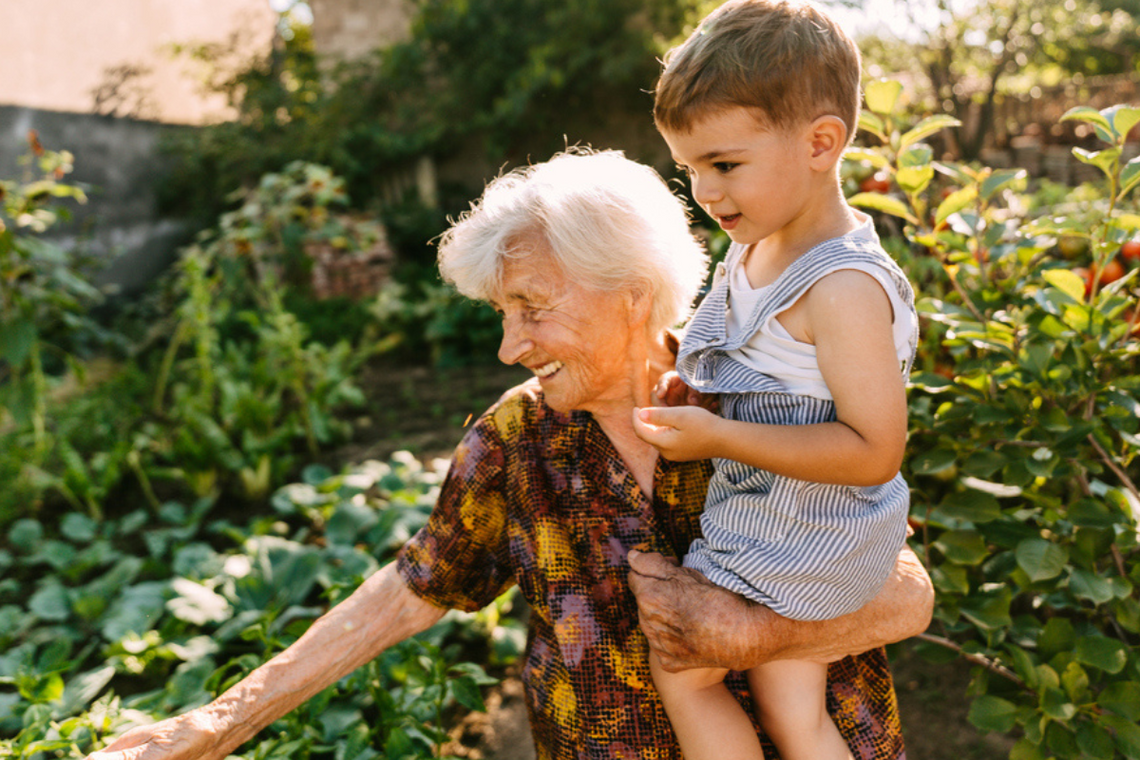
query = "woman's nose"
{"x": 515, "y": 344}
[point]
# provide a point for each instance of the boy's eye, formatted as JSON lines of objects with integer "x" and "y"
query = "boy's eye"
{"x": 724, "y": 167}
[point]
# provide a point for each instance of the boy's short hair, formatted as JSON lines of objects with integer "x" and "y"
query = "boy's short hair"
{"x": 785, "y": 59}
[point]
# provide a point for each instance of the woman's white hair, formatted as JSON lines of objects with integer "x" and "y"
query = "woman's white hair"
{"x": 609, "y": 223}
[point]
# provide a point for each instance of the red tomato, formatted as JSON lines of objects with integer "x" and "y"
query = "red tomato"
{"x": 1130, "y": 250}
{"x": 1113, "y": 271}
{"x": 876, "y": 183}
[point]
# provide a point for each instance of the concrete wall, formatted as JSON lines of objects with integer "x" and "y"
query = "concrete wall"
{"x": 100, "y": 78}
{"x": 351, "y": 29}
{"x": 117, "y": 57}
{"x": 117, "y": 163}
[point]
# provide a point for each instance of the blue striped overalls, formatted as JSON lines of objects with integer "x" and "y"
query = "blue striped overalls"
{"x": 809, "y": 551}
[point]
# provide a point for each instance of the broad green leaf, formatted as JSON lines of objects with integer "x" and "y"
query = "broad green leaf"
{"x": 51, "y": 602}
{"x": 877, "y": 160}
{"x": 1094, "y": 741}
{"x": 1067, "y": 282}
{"x": 1101, "y": 159}
{"x": 914, "y": 179}
{"x": 950, "y": 578}
{"x": 1094, "y": 117}
{"x": 955, "y": 202}
{"x": 883, "y": 203}
{"x": 1056, "y": 704}
{"x": 974, "y": 506}
{"x": 1024, "y": 749}
{"x": 933, "y": 461}
{"x": 1041, "y": 559}
{"x": 1129, "y": 176}
{"x": 990, "y": 713}
{"x": 882, "y": 95}
{"x": 1086, "y": 585}
{"x": 1123, "y": 698}
{"x": 962, "y": 547}
{"x": 16, "y": 340}
{"x": 1109, "y": 655}
{"x": 1000, "y": 180}
{"x": 927, "y": 127}
{"x": 988, "y": 609}
{"x": 1057, "y": 636}
{"x": 1122, "y": 117}
{"x": 1127, "y": 735}
{"x": 869, "y": 122}
{"x": 466, "y": 693}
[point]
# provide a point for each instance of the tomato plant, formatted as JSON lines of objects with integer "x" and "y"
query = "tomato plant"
{"x": 1023, "y": 461}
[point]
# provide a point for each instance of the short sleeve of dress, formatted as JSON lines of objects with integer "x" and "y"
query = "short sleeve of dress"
{"x": 459, "y": 558}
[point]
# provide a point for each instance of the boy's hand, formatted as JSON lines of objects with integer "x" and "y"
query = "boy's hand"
{"x": 680, "y": 433}
{"x": 672, "y": 391}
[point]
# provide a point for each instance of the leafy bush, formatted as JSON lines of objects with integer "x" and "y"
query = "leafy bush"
{"x": 45, "y": 299}
{"x": 135, "y": 618}
{"x": 1024, "y": 433}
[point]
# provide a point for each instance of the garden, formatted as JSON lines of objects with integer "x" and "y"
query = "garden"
{"x": 191, "y": 478}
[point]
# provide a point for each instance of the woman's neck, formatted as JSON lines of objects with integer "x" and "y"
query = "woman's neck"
{"x": 648, "y": 361}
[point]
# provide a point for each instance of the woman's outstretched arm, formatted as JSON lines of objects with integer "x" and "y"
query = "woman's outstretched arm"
{"x": 380, "y": 613}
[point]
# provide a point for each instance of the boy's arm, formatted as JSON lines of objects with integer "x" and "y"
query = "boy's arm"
{"x": 848, "y": 318}
{"x": 691, "y": 623}
{"x": 381, "y": 612}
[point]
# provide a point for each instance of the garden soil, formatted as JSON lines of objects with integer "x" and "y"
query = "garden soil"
{"x": 425, "y": 410}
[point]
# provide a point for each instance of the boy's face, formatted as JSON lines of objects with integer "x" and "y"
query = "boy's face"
{"x": 754, "y": 181}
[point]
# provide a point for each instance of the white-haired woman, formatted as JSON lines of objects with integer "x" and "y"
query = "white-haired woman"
{"x": 589, "y": 260}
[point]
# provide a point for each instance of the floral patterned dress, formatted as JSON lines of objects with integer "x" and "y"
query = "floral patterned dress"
{"x": 542, "y": 499}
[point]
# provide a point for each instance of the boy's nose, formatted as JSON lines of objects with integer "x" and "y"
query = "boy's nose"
{"x": 706, "y": 190}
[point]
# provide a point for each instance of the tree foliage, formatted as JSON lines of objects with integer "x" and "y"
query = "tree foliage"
{"x": 969, "y": 54}
{"x": 500, "y": 79}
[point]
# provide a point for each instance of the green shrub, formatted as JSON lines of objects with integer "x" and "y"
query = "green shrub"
{"x": 1024, "y": 423}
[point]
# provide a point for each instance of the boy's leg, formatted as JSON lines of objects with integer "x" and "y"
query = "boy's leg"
{"x": 710, "y": 724}
{"x": 791, "y": 703}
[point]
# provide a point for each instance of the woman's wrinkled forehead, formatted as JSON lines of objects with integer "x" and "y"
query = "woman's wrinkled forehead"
{"x": 528, "y": 274}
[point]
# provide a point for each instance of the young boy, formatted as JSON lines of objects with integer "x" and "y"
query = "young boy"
{"x": 807, "y": 336}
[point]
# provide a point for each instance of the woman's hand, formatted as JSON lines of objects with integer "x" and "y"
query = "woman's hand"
{"x": 191, "y": 736}
{"x": 693, "y": 623}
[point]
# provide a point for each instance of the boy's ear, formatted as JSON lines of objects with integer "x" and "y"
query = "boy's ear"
{"x": 828, "y": 136}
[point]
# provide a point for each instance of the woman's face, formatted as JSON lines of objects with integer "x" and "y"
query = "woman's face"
{"x": 574, "y": 339}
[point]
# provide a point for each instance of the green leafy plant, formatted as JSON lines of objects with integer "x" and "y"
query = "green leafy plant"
{"x": 153, "y": 613}
{"x": 1023, "y": 441}
{"x": 241, "y": 383}
{"x": 45, "y": 298}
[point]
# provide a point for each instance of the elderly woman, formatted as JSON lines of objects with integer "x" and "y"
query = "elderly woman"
{"x": 590, "y": 262}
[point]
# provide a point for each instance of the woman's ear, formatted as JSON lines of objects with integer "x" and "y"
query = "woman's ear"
{"x": 639, "y": 298}
{"x": 828, "y": 136}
